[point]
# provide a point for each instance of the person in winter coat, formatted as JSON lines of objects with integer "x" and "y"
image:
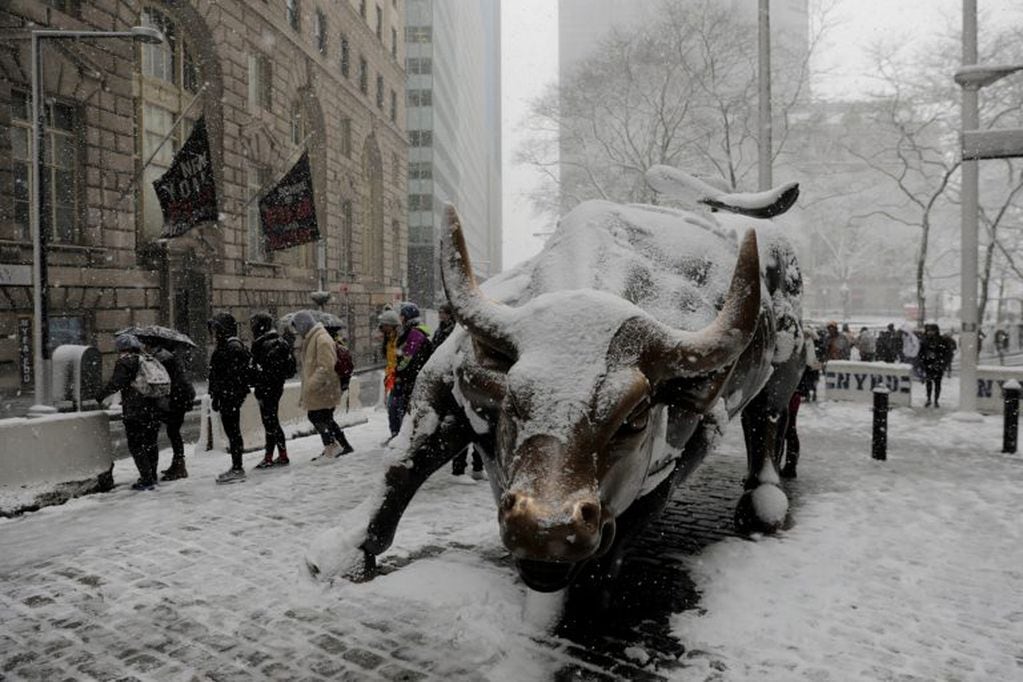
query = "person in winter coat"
{"x": 887, "y": 346}
{"x": 321, "y": 390}
{"x": 414, "y": 349}
{"x": 180, "y": 402}
{"x": 229, "y": 385}
{"x": 836, "y": 344}
{"x": 802, "y": 392}
{"x": 141, "y": 414}
{"x": 388, "y": 324}
{"x": 273, "y": 363}
{"x": 933, "y": 358}
{"x": 446, "y": 325}
{"x": 866, "y": 345}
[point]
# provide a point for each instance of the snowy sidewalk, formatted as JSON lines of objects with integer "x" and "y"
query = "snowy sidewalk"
{"x": 905, "y": 569}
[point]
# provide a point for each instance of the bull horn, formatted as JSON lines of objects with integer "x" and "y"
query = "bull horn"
{"x": 723, "y": 340}
{"x": 488, "y": 321}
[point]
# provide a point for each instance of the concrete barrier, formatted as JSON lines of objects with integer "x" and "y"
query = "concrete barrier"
{"x": 290, "y": 413}
{"x": 990, "y": 379}
{"x": 856, "y": 381}
{"x": 48, "y": 460}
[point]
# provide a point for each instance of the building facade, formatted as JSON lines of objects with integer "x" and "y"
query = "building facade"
{"x": 454, "y": 127}
{"x": 272, "y": 78}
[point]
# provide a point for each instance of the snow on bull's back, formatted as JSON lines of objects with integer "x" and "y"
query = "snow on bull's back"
{"x": 674, "y": 264}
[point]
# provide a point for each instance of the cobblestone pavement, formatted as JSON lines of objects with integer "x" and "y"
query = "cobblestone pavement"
{"x": 124, "y": 606}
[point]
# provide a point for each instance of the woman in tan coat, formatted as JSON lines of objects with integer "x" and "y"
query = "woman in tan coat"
{"x": 321, "y": 389}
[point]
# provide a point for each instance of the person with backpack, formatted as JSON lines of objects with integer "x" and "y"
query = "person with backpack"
{"x": 142, "y": 381}
{"x": 229, "y": 385}
{"x": 273, "y": 363}
{"x": 344, "y": 368}
{"x": 321, "y": 389}
{"x": 414, "y": 349}
{"x": 173, "y": 409}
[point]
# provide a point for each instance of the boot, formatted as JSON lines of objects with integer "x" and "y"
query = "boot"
{"x": 789, "y": 470}
{"x": 346, "y": 447}
{"x": 176, "y": 470}
{"x": 268, "y": 460}
{"x": 282, "y": 457}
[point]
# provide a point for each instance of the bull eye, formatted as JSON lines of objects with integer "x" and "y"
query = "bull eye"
{"x": 637, "y": 420}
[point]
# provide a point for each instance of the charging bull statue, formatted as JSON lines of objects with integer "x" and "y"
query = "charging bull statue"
{"x": 595, "y": 377}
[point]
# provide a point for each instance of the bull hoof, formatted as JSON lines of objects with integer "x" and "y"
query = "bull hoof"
{"x": 761, "y": 510}
{"x": 336, "y": 554}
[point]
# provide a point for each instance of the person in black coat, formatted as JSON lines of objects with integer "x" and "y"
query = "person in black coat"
{"x": 141, "y": 414}
{"x": 445, "y": 326}
{"x": 273, "y": 363}
{"x": 933, "y": 358}
{"x": 229, "y": 385}
{"x": 180, "y": 401}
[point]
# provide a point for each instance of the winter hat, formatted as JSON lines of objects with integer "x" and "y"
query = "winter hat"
{"x": 409, "y": 311}
{"x": 389, "y": 317}
{"x": 126, "y": 342}
{"x": 225, "y": 324}
{"x": 261, "y": 323}
{"x": 303, "y": 322}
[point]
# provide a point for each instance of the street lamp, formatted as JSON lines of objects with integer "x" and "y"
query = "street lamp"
{"x": 40, "y": 296}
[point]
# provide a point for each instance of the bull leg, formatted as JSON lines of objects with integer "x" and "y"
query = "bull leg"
{"x": 763, "y": 505}
{"x": 350, "y": 549}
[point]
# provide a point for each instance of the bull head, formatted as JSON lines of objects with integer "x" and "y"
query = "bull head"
{"x": 575, "y": 422}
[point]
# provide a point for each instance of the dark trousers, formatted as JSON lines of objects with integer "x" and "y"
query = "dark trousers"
{"x": 395, "y": 410}
{"x": 460, "y": 460}
{"x": 933, "y": 382}
{"x": 268, "y": 405}
{"x": 173, "y": 422}
{"x": 230, "y": 417}
{"x": 791, "y": 435}
{"x": 329, "y": 430}
{"x": 141, "y": 436}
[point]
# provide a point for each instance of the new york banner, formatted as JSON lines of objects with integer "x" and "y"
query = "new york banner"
{"x": 187, "y": 192}
{"x": 287, "y": 211}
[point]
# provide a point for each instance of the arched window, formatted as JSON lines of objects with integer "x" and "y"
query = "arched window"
{"x": 373, "y": 214}
{"x": 168, "y": 82}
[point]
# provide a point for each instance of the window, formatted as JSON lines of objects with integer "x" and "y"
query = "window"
{"x": 394, "y": 107}
{"x": 320, "y": 30}
{"x": 396, "y": 251}
{"x": 298, "y": 124}
{"x": 168, "y": 81}
{"x": 420, "y": 170}
{"x": 346, "y": 137}
{"x": 363, "y": 76}
{"x": 418, "y": 34}
{"x": 72, "y": 7}
{"x": 362, "y": 8}
{"x": 419, "y": 65}
{"x": 256, "y": 178}
{"x": 420, "y": 138}
{"x": 380, "y": 23}
{"x": 420, "y": 98}
{"x": 260, "y": 78}
{"x": 347, "y": 225}
{"x": 420, "y": 202}
{"x": 396, "y": 168}
{"x": 60, "y": 168}
{"x": 394, "y": 42}
{"x": 346, "y": 57}
{"x": 294, "y": 19}
{"x": 380, "y": 91}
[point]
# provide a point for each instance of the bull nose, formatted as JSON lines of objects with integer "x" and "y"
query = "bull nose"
{"x": 567, "y": 532}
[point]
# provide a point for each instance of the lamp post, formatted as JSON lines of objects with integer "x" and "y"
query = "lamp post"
{"x": 971, "y": 78}
{"x": 40, "y": 295}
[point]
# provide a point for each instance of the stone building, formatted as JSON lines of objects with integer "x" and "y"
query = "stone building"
{"x": 271, "y": 77}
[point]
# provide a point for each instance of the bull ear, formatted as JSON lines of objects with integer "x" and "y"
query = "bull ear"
{"x": 489, "y": 322}
{"x": 723, "y": 340}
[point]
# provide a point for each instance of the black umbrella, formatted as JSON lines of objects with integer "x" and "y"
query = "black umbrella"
{"x": 155, "y": 331}
{"x": 328, "y": 320}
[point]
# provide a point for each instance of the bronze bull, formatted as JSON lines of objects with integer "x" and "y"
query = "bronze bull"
{"x": 594, "y": 378}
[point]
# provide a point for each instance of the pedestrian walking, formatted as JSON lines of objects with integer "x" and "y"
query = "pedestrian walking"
{"x": 934, "y": 357}
{"x": 344, "y": 367}
{"x": 273, "y": 363}
{"x": 142, "y": 381}
{"x": 389, "y": 323}
{"x": 445, "y": 326}
{"x": 321, "y": 390}
{"x": 414, "y": 349}
{"x": 804, "y": 390}
{"x": 866, "y": 345}
{"x": 229, "y": 385}
{"x": 174, "y": 408}
{"x": 837, "y": 344}
{"x": 909, "y": 345}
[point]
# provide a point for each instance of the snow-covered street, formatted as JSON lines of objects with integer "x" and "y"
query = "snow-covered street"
{"x": 905, "y": 569}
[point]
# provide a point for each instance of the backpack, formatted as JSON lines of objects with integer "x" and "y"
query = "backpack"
{"x": 282, "y": 357}
{"x": 152, "y": 379}
{"x": 344, "y": 366}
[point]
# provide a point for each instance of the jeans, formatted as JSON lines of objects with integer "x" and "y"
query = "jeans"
{"x": 268, "y": 405}
{"x": 141, "y": 436}
{"x": 230, "y": 417}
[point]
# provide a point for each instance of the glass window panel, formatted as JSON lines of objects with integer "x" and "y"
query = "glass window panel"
{"x": 19, "y": 142}
{"x": 21, "y": 182}
{"x": 64, "y": 229}
{"x": 63, "y": 116}
{"x": 152, "y": 217}
{"x": 64, "y": 187}
{"x": 21, "y": 218}
{"x": 19, "y": 105}
{"x": 64, "y": 151}
{"x": 189, "y": 71}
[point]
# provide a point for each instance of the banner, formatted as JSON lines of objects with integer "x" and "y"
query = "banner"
{"x": 848, "y": 380}
{"x": 187, "y": 193}
{"x": 287, "y": 211}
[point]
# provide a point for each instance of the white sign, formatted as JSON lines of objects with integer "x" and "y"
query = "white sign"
{"x": 15, "y": 275}
{"x": 989, "y": 386}
{"x": 856, "y": 381}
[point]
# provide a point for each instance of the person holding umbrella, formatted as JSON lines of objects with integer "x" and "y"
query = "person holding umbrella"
{"x": 229, "y": 385}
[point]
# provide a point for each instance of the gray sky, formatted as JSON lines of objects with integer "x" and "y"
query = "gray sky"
{"x": 529, "y": 62}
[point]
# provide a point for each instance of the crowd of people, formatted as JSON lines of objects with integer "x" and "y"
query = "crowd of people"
{"x": 155, "y": 390}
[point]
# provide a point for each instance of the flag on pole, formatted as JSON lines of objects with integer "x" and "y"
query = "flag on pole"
{"x": 187, "y": 191}
{"x": 287, "y": 211}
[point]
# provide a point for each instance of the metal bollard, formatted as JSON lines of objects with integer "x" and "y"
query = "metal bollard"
{"x": 1010, "y": 432}
{"x": 879, "y": 442}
